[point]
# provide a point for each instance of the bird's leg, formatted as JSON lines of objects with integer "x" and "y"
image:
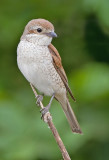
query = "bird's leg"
{"x": 46, "y": 109}
{"x": 39, "y": 99}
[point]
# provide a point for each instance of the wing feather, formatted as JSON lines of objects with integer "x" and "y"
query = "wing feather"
{"x": 58, "y": 66}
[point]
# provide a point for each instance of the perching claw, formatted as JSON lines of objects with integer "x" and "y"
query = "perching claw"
{"x": 46, "y": 109}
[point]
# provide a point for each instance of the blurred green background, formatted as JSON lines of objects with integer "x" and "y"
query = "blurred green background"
{"x": 83, "y": 43}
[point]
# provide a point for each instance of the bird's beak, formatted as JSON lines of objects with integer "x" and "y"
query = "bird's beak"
{"x": 51, "y": 34}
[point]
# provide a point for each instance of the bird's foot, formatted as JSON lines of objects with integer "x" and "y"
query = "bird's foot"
{"x": 39, "y": 99}
{"x": 45, "y": 110}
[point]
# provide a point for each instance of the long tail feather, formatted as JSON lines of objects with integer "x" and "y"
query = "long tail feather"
{"x": 71, "y": 118}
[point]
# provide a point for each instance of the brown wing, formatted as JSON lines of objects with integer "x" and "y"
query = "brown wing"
{"x": 58, "y": 66}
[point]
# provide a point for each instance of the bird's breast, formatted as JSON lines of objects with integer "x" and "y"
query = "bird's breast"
{"x": 35, "y": 62}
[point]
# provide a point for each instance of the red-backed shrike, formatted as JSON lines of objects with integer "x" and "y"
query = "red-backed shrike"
{"x": 40, "y": 63}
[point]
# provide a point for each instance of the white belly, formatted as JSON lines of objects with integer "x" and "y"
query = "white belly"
{"x": 36, "y": 65}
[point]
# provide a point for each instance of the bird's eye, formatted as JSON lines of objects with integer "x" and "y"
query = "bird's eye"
{"x": 39, "y": 30}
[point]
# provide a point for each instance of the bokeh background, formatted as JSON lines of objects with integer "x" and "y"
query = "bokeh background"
{"x": 83, "y": 43}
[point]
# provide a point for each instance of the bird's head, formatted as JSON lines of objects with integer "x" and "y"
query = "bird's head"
{"x": 39, "y": 31}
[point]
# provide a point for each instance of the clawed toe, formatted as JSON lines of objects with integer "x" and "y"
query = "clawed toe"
{"x": 39, "y": 99}
{"x": 44, "y": 110}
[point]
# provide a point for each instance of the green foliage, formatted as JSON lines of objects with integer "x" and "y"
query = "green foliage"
{"x": 82, "y": 28}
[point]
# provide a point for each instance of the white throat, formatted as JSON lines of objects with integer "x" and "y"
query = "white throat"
{"x": 41, "y": 40}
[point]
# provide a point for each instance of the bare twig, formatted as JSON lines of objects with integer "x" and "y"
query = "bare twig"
{"x": 48, "y": 119}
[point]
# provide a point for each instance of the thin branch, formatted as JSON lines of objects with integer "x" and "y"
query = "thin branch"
{"x": 48, "y": 119}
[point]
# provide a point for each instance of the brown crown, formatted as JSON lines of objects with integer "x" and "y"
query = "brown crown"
{"x": 41, "y": 22}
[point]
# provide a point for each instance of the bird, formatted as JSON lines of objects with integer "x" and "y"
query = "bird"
{"x": 40, "y": 63}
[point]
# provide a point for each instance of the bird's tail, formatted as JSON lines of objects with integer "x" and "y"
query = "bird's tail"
{"x": 71, "y": 117}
